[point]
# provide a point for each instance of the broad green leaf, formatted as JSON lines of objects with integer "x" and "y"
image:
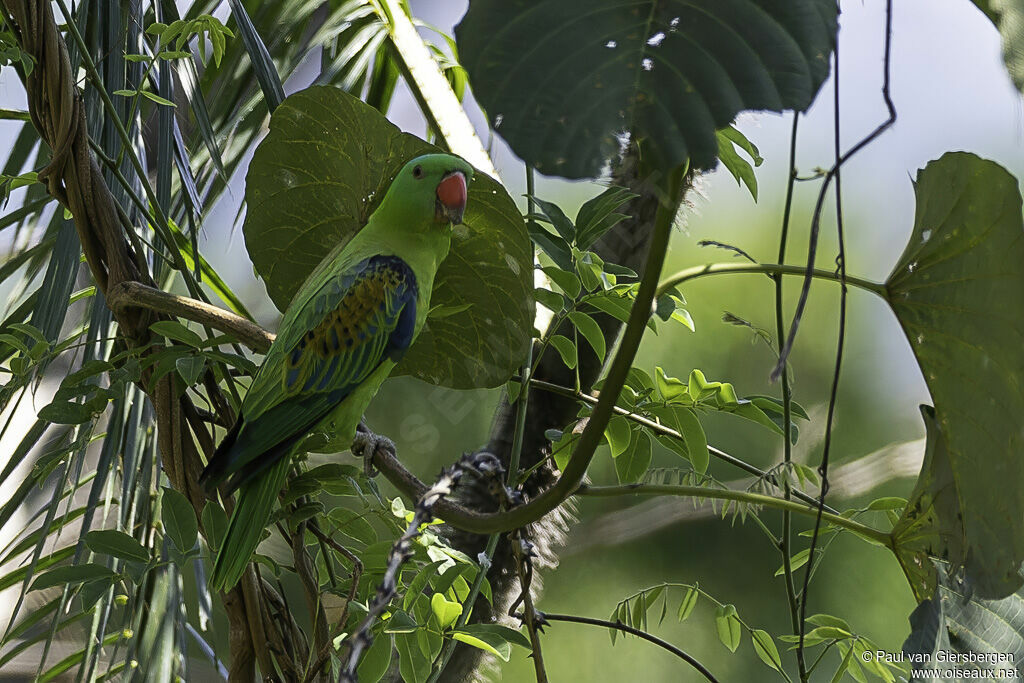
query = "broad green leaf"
{"x": 446, "y": 611}
{"x": 559, "y": 221}
{"x": 699, "y": 387}
{"x": 616, "y": 306}
{"x": 412, "y": 664}
{"x": 353, "y": 524}
{"x": 313, "y": 183}
{"x": 176, "y": 331}
{"x": 566, "y": 349}
{"x": 770, "y": 404}
{"x": 419, "y": 583}
{"x": 73, "y": 575}
{"x": 618, "y": 435}
{"x": 750, "y": 411}
{"x": 764, "y": 646}
{"x": 684, "y": 421}
{"x": 215, "y": 524}
{"x": 566, "y": 281}
{"x": 590, "y": 267}
{"x": 400, "y": 622}
{"x": 66, "y": 413}
{"x": 672, "y": 73}
{"x": 728, "y": 626}
{"x": 599, "y": 215}
{"x": 590, "y": 331}
{"x": 116, "y": 544}
{"x": 376, "y": 660}
{"x": 671, "y": 388}
{"x": 829, "y": 620}
{"x": 552, "y": 245}
{"x": 562, "y": 449}
{"x": 953, "y": 621}
{"x": 493, "y": 638}
{"x": 190, "y": 368}
{"x": 179, "y": 519}
{"x": 958, "y": 291}
{"x": 553, "y": 301}
{"x": 932, "y": 522}
{"x": 888, "y": 503}
{"x": 631, "y": 465}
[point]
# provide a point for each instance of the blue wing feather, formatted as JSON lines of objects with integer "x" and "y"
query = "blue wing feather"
{"x": 365, "y": 315}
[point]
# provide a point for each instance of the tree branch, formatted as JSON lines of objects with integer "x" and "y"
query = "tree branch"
{"x": 130, "y": 294}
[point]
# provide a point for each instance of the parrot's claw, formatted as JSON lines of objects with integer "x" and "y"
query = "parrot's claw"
{"x": 366, "y": 444}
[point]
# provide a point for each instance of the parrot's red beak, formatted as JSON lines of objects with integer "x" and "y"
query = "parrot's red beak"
{"x": 451, "y": 197}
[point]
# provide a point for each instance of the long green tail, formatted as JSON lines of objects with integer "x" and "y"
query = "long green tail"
{"x": 255, "y": 502}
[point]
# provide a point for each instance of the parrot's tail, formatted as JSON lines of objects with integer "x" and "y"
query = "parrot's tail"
{"x": 255, "y": 502}
{"x": 216, "y": 470}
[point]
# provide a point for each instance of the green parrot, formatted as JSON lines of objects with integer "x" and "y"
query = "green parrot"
{"x": 343, "y": 333}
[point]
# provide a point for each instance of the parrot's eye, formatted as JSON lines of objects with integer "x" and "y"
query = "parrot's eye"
{"x": 417, "y": 172}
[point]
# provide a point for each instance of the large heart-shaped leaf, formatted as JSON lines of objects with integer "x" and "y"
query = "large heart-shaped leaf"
{"x": 958, "y": 292}
{"x": 563, "y": 79}
{"x": 314, "y": 181}
{"x": 931, "y": 524}
{"x": 955, "y": 622}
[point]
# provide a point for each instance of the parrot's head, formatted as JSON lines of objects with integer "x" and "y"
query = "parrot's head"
{"x": 437, "y": 181}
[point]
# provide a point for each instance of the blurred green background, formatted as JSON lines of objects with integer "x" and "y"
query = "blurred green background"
{"x": 951, "y": 93}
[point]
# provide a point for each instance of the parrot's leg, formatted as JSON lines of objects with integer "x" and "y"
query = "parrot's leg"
{"x": 365, "y": 444}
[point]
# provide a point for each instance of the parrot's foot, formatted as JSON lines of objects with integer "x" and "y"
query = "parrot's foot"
{"x": 366, "y": 444}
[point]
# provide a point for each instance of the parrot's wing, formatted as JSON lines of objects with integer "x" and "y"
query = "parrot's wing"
{"x": 341, "y": 334}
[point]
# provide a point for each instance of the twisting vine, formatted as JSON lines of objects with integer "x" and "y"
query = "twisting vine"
{"x": 812, "y": 247}
{"x": 834, "y": 173}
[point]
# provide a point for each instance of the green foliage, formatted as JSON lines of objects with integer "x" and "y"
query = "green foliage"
{"x": 670, "y": 73}
{"x": 955, "y": 291}
{"x": 107, "y": 555}
{"x": 1008, "y": 16}
{"x": 181, "y": 32}
{"x": 10, "y": 52}
{"x": 729, "y": 140}
{"x": 179, "y": 520}
{"x": 314, "y": 182}
{"x": 953, "y": 621}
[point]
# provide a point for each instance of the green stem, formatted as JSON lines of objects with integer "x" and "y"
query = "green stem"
{"x": 669, "y": 432}
{"x": 765, "y": 269}
{"x": 786, "y": 542}
{"x": 862, "y": 530}
{"x": 14, "y": 115}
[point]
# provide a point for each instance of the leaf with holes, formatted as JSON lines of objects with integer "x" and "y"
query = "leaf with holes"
{"x": 314, "y": 181}
{"x": 562, "y": 79}
{"x": 958, "y": 293}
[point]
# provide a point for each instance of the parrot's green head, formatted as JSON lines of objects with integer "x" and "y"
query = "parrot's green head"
{"x": 434, "y": 186}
